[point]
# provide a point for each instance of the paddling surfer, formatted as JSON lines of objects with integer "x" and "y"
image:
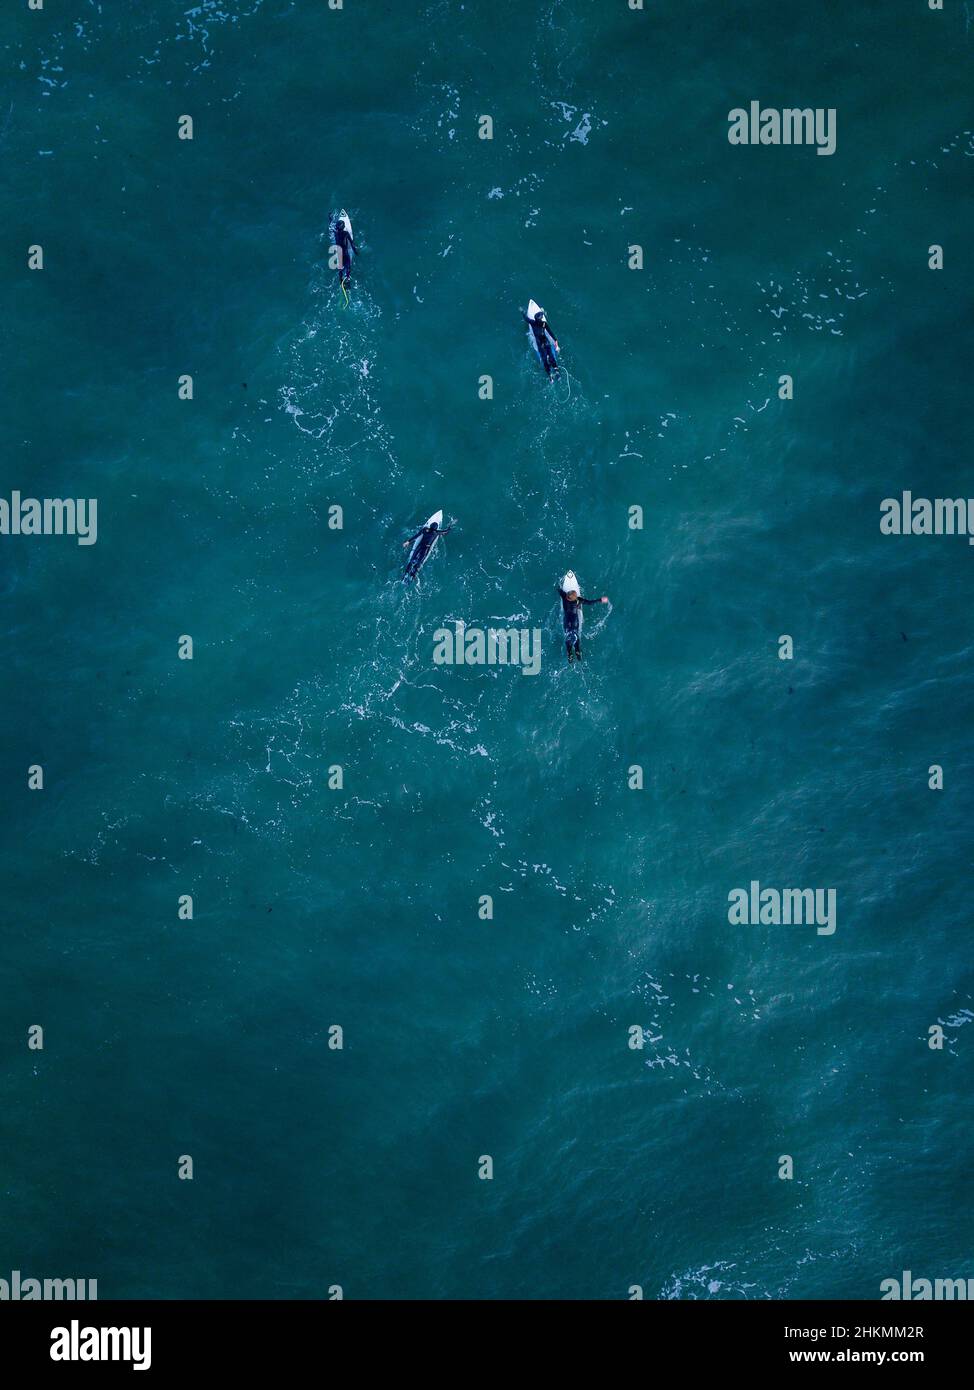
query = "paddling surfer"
{"x": 571, "y": 611}
{"x": 427, "y": 536}
{"x": 541, "y": 329}
{"x": 345, "y": 244}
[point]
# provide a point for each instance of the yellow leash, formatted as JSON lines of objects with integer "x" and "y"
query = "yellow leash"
{"x": 345, "y": 293}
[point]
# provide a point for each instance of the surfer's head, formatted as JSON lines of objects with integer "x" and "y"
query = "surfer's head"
{"x": 573, "y": 595}
{"x": 340, "y": 224}
{"x": 539, "y": 316}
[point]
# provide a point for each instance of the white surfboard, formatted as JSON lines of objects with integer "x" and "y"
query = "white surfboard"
{"x": 532, "y": 309}
{"x": 570, "y": 584}
{"x": 437, "y": 517}
{"x": 343, "y": 217}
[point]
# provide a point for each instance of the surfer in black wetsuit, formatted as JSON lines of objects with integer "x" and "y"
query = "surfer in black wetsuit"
{"x": 541, "y": 329}
{"x": 430, "y": 535}
{"x": 344, "y": 242}
{"x": 571, "y": 612}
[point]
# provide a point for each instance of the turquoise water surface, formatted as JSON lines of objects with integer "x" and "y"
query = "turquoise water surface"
{"x": 360, "y": 906}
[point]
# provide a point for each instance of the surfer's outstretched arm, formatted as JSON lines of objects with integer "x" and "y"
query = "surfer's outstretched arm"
{"x": 541, "y": 329}
{"x": 603, "y": 599}
{"x": 415, "y": 536}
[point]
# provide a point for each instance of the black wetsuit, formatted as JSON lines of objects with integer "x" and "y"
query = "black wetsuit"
{"x": 541, "y": 333}
{"x": 346, "y": 245}
{"x": 430, "y": 535}
{"x": 572, "y": 616}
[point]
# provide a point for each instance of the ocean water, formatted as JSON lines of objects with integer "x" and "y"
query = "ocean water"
{"x": 358, "y": 906}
